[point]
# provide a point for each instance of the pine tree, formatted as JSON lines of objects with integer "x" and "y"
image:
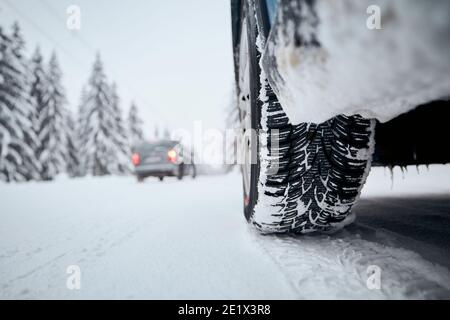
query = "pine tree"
{"x": 135, "y": 124}
{"x": 52, "y": 124}
{"x": 101, "y": 148}
{"x": 17, "y": 161}
{"x": 72, "y": 156}
{"x": 43, "y": 115}
{"x": 82, "y": 131}
{"x": 120, "y": 138}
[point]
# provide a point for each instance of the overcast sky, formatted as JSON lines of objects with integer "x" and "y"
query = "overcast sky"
{"x": 173, "y": 57}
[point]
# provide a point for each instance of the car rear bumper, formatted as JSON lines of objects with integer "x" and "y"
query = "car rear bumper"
{"x": 156, "y": 170}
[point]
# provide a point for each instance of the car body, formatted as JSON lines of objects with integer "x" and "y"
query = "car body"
{"x": 337, "y": 96}
{"x": 164, "y": 158}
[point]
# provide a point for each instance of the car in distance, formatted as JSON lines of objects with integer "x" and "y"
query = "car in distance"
{"x": 164, "y": 158}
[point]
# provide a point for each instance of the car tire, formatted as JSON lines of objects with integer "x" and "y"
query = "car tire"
{"x": 194, "y": 171}
{"x": 180, "y": 173}
{"x": 161, "y": 179}
{"x": 321, "y": 167}
{"x": 140, "y": 179}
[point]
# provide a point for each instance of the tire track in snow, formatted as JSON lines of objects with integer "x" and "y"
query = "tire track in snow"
{"x": 335, "y": 267}
{"x": 29, "y": 273}
{"x": 91, "y": 250}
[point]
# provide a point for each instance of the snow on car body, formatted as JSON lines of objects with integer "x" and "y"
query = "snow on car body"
{"x": 325, "y": 58}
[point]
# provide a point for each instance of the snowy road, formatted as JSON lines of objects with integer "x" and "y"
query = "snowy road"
{"x": 189, "y": 240}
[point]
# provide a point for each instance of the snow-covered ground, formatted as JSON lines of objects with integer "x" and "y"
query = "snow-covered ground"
{"x": 189, "y": 240}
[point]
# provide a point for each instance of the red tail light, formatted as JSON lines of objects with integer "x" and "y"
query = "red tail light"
{"x": 136, "y": 159}
{"x": 172, "y": 155}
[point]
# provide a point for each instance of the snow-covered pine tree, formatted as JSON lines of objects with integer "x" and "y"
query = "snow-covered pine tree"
{"x": 72, "y": 156}
{"x": 121, "y": 144}
{"x": 135, "y": 123}
{"x": 98, "y": 135}
{"x": 53, "y": 123}
{"x": 44, "y": 116}
{"x": 17, "y": 161}
{"x": 82, "y": 133}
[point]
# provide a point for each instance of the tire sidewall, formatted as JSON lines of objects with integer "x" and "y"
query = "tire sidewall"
{"x": 254, "y": 70}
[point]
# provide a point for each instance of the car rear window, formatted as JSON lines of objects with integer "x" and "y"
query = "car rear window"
{"x": 163, "y": 145}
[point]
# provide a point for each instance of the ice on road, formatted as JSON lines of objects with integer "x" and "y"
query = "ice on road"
{"x": 188, "y": 239}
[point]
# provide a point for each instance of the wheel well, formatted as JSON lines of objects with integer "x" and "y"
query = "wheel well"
{"x": 420, "y": 136}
